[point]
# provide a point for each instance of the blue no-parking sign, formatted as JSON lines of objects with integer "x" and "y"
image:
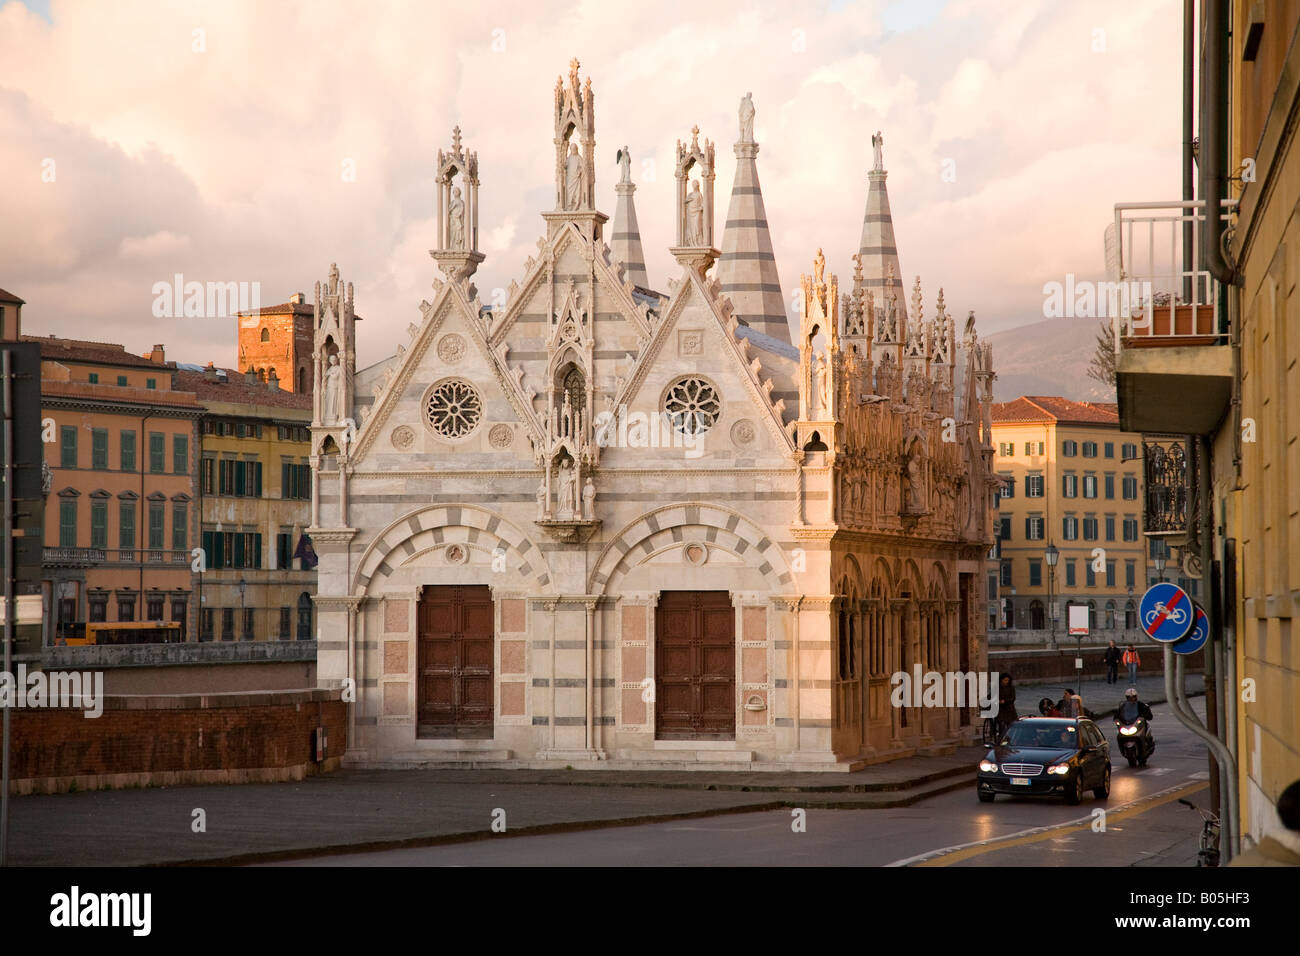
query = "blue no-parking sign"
{"x": 1197, "y": 636}
{"x": 1166, "y": 613}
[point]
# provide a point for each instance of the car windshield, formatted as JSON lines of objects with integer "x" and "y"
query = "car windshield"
{"x": 1058, "y": 737}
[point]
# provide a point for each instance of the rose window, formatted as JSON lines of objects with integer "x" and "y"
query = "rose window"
{"x": 454, "y": 409}
{"x": 692, "y": 406}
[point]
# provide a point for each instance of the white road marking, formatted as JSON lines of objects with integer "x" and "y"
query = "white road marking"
{"x": 1199, "y": 775}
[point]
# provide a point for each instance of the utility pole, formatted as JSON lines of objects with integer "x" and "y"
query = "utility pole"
{"x": 7, "y": 453}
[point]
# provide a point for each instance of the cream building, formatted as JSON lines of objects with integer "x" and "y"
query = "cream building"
{"x": 608, "y": 526}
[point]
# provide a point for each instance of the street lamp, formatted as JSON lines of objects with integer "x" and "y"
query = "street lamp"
{"x": 1052, "y": 555}
{"x": 1159, "y": 561}
{"x": 243, "y": 587}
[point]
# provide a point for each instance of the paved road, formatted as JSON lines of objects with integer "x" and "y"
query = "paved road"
{"x": 1145, "y": 826}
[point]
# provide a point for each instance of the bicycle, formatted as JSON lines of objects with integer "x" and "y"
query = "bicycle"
{"x": 1208, "y": 853}
{"x": 992, "y": 731}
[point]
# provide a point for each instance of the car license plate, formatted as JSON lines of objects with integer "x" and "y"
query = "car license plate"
{"x": 1020, "y": 781}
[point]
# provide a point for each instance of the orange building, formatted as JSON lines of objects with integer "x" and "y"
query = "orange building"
{"x": 121, "y": 518}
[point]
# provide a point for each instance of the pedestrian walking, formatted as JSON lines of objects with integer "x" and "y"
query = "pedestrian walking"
{"x": 1112, "y": 658}
{"x": 1006, "y": 703}
{"x": 1071, "y": 704}
{"x": 1132, "y": 661}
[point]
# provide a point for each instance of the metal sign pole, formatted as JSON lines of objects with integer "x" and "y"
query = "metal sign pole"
{"x": 7, "y": 450}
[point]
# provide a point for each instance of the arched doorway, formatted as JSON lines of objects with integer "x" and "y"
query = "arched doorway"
{"x": 1037, "y": 619}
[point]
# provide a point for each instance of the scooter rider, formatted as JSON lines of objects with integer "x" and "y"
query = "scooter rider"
{"x": 1132, "y": 708}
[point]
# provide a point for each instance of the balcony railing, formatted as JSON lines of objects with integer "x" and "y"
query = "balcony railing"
{"x": 72, "y": 557}
{"x": 1158, "y": 298}
{"x": 1166, "y": 483}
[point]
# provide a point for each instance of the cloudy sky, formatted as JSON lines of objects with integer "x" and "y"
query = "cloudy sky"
{"x": 144, "y": 138}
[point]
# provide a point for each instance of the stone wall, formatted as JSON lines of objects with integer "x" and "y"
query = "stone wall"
{"x": 171, "y": 740}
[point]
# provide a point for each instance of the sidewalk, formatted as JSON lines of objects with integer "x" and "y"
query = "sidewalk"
{"x": 357, "y": 810}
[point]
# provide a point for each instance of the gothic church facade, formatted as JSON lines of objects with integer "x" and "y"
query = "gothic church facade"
{"x": 608, "y": 526}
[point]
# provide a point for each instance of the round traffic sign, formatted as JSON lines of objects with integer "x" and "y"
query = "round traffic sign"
{"x": 1166, "y": 613}
{"x": 1197, "y": 636}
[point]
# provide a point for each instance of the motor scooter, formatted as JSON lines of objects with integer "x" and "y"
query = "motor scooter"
{"x": 1135, "y": 739}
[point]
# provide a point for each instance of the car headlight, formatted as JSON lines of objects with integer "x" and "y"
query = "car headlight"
{"x": 1128, "y": 731}
{"x": 988, "y": 766}
{"x": 1061, "y": 769}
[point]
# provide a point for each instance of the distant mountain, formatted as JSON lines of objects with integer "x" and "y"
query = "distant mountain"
{"x": 1047, "y": 358}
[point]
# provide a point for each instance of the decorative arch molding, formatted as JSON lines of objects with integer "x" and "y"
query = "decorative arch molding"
{"x": 671, "y": 525}
{"x": 433, "y": 525}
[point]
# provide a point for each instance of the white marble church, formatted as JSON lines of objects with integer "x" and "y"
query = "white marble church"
{"x": 619, "y": 525}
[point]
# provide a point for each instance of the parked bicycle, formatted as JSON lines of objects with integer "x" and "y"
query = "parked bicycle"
{"x": 1208, "y": 854}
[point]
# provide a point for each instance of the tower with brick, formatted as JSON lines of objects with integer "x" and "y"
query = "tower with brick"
{"x": 276, "y": 342}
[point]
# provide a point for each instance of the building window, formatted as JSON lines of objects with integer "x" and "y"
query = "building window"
{"x": 1070, "y": 485}
{"x": 242, "y": 479}
{"x": 266, "y": 334}
{"x": 127, "y": 450}
{"x": 295, "y": 480}
{"x": 205, "y": 624}
{"x": 1110, "y": 574}
{"x": 232, "y": 549}
{"x": 249, "y": 614}
{"x": 1034, "y": 528}
{"x": 453, "y": 408}
{"x": 692, "y": 406}
{"x": 68, "y": 446}
{"x": 1130, "y": 488}
{"x": 1090, "y": 576}
{"x": 207, "y": 471}
{"x": 121, "y": 381}
{"x": 1004, "y": 528}
{"x": 181, "y": 454}
{"x": 284, "y": 550}
{"x": 1110, "y": 527}
{"x": 286, "y": 623}
{"x": 126, "y": 607}
{"x": 1036, "y": 617}
{"x": 1130, "y": 615}
{"x": 126, "y": 528}
{"x": 94, "y": 376}
{"x": 1109, "y": 449}
{"x": 1089, "y": 529}
{"x": 157, "y": 452}
{"x": 180, "y": 611}
{"x": 1035, "y": 573}
{"x": 1110, "y": 615}
{"x": 1090, "y": 449}
{"x": 1006, "y": 574}
{"x": 1130, "y": 529}
{"x": 304, "y": 616}
{"x": 153, "y": 605}
{"x": 180, "y": 526}
{"x": 151, "y": 383}
{"x": 1129, "y": 451}
{"x": 99, "y": 524}
{"x": 1006, "y": 449}
{"x": 1034, "y": 485}
{"x": 1069, "y": 448}
{"x": 1070, "y": 528}
{"x": 1090, "y": 486}
{"x": 1110, "y": 487}
{"x": 227, "y": 623}
{"x": 1069, "y": 573}
{"x": 68, "y": 523}
{"x": 99, "y": 449}
{"x": 156, "y": 525}
{"x": 97, "y": 606}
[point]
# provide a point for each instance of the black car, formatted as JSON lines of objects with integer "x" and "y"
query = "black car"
{"x": 1042, "y": 756}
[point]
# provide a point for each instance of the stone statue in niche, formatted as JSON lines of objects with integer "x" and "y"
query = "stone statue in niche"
{"x": 695, "y": 215}
{"x": 913, "y": 493}
{"x": 332, "y": 404}
{"x": 821, "y": 386}
{"x": 573, "y": 179}
{"x": 456, "y": 215}
{"x": 589, "y": 500}
{"x": 566, "y": 505}
{"x": 543, "y": 511}
{"x": 747, "y": 118}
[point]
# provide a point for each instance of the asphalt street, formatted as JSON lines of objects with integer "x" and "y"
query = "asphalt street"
{"x": 1144, "y": 826}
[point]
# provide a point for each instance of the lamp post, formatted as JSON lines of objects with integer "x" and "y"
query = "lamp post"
{"x": 1159, "y": 561}
{"x": 1052, "y": 555}
{"x": 243, "y": 587}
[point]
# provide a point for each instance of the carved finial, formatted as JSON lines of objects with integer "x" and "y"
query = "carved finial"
{"x": 857, "y": 269}
{"x": 455, "y": 140}
{"x": 916, "y": 301}
{"x": 695, "y": 138}
{"x": 573, "y": 70}
{"x": 819, "y": 268}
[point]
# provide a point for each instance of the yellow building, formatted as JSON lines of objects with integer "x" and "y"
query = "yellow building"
{"x": 1072, "y": 480}
{"x": 1214, "y": 363}
{"x": 254, "y": 492}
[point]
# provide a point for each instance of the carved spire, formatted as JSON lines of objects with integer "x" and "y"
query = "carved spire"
{"x": 878, "y": 248}
{"x": 625, "y": 243}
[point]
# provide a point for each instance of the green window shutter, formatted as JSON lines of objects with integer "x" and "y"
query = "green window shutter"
{"x": 257, "y": 555}
{"x": 180, "y": 454}
{"x": 99, "y": 449}
{"x": 156, "y": 525}
{"x": 284, "y": 480}
{"x": 217, "y": 556}
{"x": 239, "y": 478}
{"x": 257, "y": 478}
{"x": 239, "y": 551}
{"x": 207, "y": 549}
{"x": 68, "y": 524}
{"x": 126, "y": 525}
{"x": 99, "y": 524}
{"x": 128, "y": 451}
{"x": 68, "y": 446}
{"x": 157, "y": 452}
{"x": 180, "y": 526}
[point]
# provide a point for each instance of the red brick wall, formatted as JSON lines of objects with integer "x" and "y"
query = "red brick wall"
{"x": 144, "y": 741}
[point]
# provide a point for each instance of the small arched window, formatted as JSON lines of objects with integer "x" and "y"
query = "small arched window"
{"x": 266, "y": 335}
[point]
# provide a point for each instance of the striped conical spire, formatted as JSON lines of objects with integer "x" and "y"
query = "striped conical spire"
{"x": 625, "y": 242}
{"x": 747, "y": 269}
{"x": 878, "y": 249}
